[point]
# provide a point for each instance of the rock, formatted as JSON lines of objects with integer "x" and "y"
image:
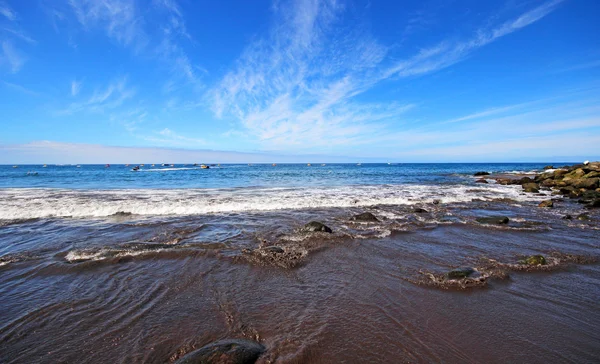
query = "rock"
{"x": 503, "y": 181}
{"x": 481, "y": 180}
{"x": 583, "y": 217}
{"x": 436, "y": 202}
{"x": 493, "y": 220}
{"x": 589, "y": 196}
{"x": 365, "y": 217}
{"x": 419, "y": 210}
{"x": 481, "y": 174}
{"x": 559, "y": 173}
{"x": 592, "y": 174}
{"x": 587, "y": 183}
{"x": 547, "y": 203}
{"x": 273, "y": 249}
{"x": 593, "y": 205}
{"x": 549, "y": 182}
{"x": 525, "y": 180}
{"x": 531, "y": 188}
{"x": 460, "y": 273}
{"x": 549, "y": 167}
{"x": 315, "y": 226}
{"x": 568, "y": 217}
{"x": 534, "y": 260}
{"x": 229, "y": 351}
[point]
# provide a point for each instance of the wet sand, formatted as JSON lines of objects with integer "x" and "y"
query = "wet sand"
{"x": 126, "y": 289}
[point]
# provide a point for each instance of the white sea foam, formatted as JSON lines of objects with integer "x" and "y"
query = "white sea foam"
{"x": 27, "y": 203}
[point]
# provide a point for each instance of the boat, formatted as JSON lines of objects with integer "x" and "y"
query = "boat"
{"x": 323, "y": 164}
{"x": 308, "y": 164}
{"x": 204, "y": 166}
{"x": 274, "y": 164}
{"x": 107, "y": 166}
{"x": 153, "y": 165}
{"x": 44, "y": 166}
{"x": 127, "y": 165}
{"x": 15, "y": 166}
{"x": 141, "y": 165}
{"x": 359, "y": 164}
{"x": 78, "y": 166}
{"x": 135, "y": 169}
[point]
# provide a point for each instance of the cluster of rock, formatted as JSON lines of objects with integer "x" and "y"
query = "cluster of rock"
{"x": 580, "y": 181}
{"x": 228, "y": 351}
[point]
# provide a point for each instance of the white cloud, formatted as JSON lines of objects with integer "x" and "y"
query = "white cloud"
{"x": 118, "y": 18}
{"x": 112, "y": 97}
{"x": 172, "y": 139}
{"x": 7, "y": 12}
{"x": 11, "y": 57}
{"x": 298, "y": 87}
{"x": 75, "y": 87}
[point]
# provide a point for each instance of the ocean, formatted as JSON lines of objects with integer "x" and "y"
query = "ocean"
{"x": 104, "y": 264}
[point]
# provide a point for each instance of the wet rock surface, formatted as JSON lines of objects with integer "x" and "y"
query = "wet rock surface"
{"x": 229, "y": 351}
{"x": 315, "y": 226}
{"x": 364, "y": 217}
{"x": 493, "y": 220}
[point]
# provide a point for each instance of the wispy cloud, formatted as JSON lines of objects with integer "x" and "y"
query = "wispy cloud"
{"x": 75, "y": 87}
{"x": 118, "y": 18}
{"x": 109, "y": 98}
{"x": 11, "y": 57}
{"x": 20, "y": 88}
{"x": 19, "y": 34}
{"x": 170, "y": 138}
{"x": 300, "y": 86}
{"x": 7, "y": 12}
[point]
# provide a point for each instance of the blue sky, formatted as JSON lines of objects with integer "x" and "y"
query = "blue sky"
{"x": 249, "y": 81}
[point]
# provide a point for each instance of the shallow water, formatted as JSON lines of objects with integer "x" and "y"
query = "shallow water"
{"x": 174, "y": 272}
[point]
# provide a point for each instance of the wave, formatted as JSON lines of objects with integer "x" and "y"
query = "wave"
{"x": 29, "y": 203}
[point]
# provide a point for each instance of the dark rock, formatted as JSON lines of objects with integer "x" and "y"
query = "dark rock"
{"x": 121, "y": 213}
{"x": 503, "y": 181}
{"x": 273, "y": 249}
{"x": 559, "y": 173}
{"x": 493, "y": 220}
{"x": 547, "y": 203}
{"x": 229, "y": 351}
{"x": 534, "y": 260}
{"x": 549, "y": 182}
{"x": 436, "y": 202}
{"x": 531, "y": 187}
{"x": 589, "y": 196}
{"x": 419, "y": 210}
{"x": 365, "y": 217}
{"x": 315, "y": 226}
{"x": 525, "y": 180}
{"x": 481, "y": 174}
{"x": 593, "y": 205}
{"x": 587, "y": 183}
{"x": 460, "y": 273}
{"x": 549, "y": 167}
{"x": 568, "y": 217}
{"x": 481, "y": 180}
{"x": 583, "y": 217}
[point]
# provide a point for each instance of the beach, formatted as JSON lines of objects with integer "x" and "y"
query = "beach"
{"x": 103, "y": 264}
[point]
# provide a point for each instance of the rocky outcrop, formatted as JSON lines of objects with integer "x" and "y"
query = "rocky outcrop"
{"x": 477, "y": 174}
{"x": 460, "y": 273}
{"x": 420, "y": 210}
{"x": 229, "y": 351}
{"x": 481, "y": 180}
{"x": 315, "y": 226}
{"x": 493, "y": 220}
{"x": 534, "y": 260}
{"x": 365, "y": 217}
{"x": 547, "y": 203}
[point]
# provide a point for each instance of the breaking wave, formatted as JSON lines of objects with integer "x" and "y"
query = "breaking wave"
{"x": 28, "y": 203}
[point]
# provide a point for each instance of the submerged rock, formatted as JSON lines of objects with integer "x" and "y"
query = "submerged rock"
{"x": 534, "y": 260}
{"x": 481, "y": 174}
{"x": 547, "y": 203}
{"x": 481, "y": 180}
{"x": 420, "y": 210}
{"x": 460, "y": 273}
{"x": 229, "y": 351}
{"x": 493, "y": 220}
{"x": 315, "y": 226}
{"x": 365, "y": 217}
{"x": 583, "y": 217}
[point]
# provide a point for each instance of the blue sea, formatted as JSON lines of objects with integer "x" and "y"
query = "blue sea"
{"x": 35, "y": 191}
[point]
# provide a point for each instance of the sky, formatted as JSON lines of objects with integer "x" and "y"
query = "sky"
{"x": 109, "y": 81}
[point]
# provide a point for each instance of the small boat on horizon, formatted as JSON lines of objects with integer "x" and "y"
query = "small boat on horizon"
{"x": 107, "y": 166}
{"x": 274, "y": 164}
{"x": 204, "y": 166}
{"x": 308, "y": 164}
{"x": 15, "y": 166}
{"x": 44, "y": 166}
